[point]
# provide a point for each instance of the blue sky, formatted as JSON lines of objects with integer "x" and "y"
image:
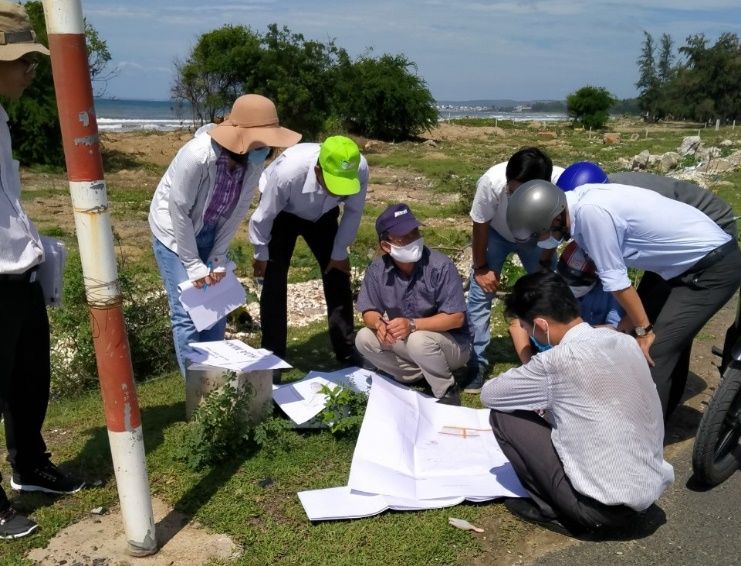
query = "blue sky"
{"x": 523, "y": 50}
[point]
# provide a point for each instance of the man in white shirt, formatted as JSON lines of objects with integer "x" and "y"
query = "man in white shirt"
{"x": 581, "y": 423}
{"x": 301, "y": 195}
{"x": 620, "y": 226}
{"x": 25, "y": 370}
{"x": 493, "y": 243}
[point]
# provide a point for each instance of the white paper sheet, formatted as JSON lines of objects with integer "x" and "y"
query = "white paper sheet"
{"x": 405, "y": 449}
{"x": 302, "y": 401}
{"x": 234, "y": 355}
{"x": 208, "y": 305}
{"x": 338, "y": 503}
{"x": 51, "y": 271}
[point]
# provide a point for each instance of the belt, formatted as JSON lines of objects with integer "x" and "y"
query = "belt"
{"x": 713, "y": 256}
{"x": 25, "y": 277}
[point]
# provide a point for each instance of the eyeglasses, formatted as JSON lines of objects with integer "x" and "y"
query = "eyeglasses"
{"x": 31, "y": 64}
{"x": 412, "y": 236}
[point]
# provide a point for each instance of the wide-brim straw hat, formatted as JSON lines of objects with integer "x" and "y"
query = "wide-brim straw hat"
{"x": 17, "y": 37}
{"x": 252, "y": 123}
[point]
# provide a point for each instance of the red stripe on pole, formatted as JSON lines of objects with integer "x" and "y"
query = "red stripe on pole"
{"x": 114, "y": 368}
{"x": 76, "y": 109}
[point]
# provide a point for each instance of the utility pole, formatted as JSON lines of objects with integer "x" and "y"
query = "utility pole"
{"x": 74, "y": 93}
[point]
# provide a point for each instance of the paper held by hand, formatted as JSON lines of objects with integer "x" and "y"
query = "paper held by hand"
{"x": 207, "y": 305}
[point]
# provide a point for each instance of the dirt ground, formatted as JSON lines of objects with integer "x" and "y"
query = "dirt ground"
{"x": 100, "y": 540}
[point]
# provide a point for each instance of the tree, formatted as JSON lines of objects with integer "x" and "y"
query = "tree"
{"x": 309, "y": 81}
{"x": 590, "y": 105}
{"x": 710, "y": 77}
{"x": 385, "y": 98}
{"x": 213, "y": 75}
{"x": 34, "y": 119}
{"x": 299, "y": 75}
{"x": 648, "y": 82}
{"x": 666, "y": 58}
{"x": 99, "y": 58}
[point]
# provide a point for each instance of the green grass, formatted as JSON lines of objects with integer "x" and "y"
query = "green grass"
{"x": 268, "y": 522}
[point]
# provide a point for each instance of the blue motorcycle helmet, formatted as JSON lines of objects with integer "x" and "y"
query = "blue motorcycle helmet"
{"x": 581, "y": 173}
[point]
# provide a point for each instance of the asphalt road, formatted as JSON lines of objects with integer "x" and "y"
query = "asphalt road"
{"x": 690, "y": 527}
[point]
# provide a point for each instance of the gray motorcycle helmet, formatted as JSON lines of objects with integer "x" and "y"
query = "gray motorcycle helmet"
{"x": 532, "y": 208}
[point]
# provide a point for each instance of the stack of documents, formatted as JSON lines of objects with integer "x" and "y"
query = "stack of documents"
{"x": 414, "y": 453}
{"x": 233, "y": 355}
{"x": 303, "y": 400}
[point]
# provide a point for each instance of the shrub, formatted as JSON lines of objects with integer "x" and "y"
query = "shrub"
{"x": 73, "y": 364}
{"x": 344, "y": 410}
{"x": 384, "y": 98}
{"x": 220, "y": 428}
{"x": 589, "y": 105}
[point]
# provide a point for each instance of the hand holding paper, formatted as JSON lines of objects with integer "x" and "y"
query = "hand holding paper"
{"x": 207, "y": 304}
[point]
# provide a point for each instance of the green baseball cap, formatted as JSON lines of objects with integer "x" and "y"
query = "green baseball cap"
{"x": 339, "y": 158}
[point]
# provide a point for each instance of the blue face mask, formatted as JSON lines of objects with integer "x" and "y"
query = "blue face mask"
{"x": 538, "y": 344}
{"x": 258, "y": 156}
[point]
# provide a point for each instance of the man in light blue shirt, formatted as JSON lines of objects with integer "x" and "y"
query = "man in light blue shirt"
{"x": 619, "y": 227}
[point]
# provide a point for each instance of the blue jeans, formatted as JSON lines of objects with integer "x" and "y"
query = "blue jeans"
{"x": 173, "y": 273}
{"x": 479, "y": 302}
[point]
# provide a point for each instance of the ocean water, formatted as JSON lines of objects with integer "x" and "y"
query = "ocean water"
{"x": 132, "y": 115}
{"x": 116, "y": 115}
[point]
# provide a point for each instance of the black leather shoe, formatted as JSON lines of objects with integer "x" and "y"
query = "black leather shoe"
{"x": 452, "y": 396}
{"x": 527, "y": 510}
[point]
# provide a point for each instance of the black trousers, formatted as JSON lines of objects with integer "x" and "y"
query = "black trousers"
{"x": 678, "y": 309}
{"x": 525, "y": 438}
{"x": 319, "y": 236}
{"x": 25, "y": 373}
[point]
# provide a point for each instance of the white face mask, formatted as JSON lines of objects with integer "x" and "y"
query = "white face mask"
{"x": 550, "y": 243}
{"x": 411, "y": 253}
{"x": 582, "y": 290}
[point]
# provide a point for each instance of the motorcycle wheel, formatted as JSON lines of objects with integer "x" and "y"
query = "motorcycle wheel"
{"x": 716, "y": 455}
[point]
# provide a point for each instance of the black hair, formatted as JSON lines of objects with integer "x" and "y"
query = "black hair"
{"x": 541, "y": 294}
{"x": 528, "y": 164}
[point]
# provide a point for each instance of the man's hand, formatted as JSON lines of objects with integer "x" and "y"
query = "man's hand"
{"x": 487, "y": 279}
{"x": 399, "y": 328}
{"x": 342, "y": 265}
{"x": 382, "y": 333}
{"x": 258, "y": 267}
{"x": 645, "y": 342}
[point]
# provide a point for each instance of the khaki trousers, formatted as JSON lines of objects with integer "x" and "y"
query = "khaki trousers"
{"x": 429, "y": 355}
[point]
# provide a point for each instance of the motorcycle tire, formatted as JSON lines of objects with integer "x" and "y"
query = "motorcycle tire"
{"x": 717, "y": 455}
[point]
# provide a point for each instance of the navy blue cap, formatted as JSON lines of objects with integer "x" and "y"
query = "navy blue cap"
{"x": 397, "y": 220}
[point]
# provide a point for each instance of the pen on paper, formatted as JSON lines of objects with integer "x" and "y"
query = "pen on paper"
{"x": 205, "y": 285}
{"x": 462, "y": 431}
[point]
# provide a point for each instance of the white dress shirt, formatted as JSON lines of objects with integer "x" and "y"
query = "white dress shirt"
{"x": 620, "y": 226}
{"x": 608, "y": 430}
{"x": 491, "y": 198}
{"x": 20, "y": 245}
{"x": 289, "y": 185}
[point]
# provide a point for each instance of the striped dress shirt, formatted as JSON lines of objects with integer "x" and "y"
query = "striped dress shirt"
{"x": 596, "y": 391}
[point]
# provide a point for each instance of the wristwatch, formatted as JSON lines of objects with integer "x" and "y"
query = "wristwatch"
{"x": 640, "y": 331}
{"x": 412, "y": 325}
